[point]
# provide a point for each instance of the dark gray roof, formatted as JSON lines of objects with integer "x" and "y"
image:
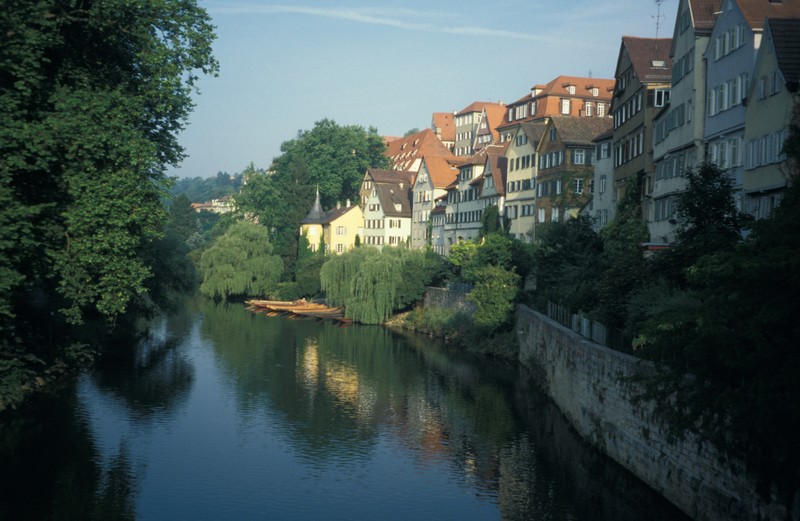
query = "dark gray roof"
{"x": 786, "y": 39}
{"x": 316, "y": 215}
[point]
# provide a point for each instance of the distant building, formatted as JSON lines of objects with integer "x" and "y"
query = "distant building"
{"x": 406, "y": 153}
{"x": 443, "y": 125}
{"x": 222, "y": 205}
{"x": 563, "y": 96}
{"x": 521, "y": 168}
{"x": 468, "y": 123}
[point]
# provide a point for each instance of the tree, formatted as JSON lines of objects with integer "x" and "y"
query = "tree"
{"x": 567, "y": 264}
{"x": 330, "y": 157}
{"x": 240, "y": 264}
{"x": 624, "y": 269}
{"x": 373, "y": 284}
{"x": 493, "y": 294}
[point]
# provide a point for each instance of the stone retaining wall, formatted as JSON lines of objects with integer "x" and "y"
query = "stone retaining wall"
{"x": 448, "y": 299}
{"x": 587, "y": 382}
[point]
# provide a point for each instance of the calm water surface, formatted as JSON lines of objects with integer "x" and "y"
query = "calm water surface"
{"x": 222, "y": 414}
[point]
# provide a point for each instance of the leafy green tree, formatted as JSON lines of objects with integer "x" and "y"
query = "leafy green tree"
{"x": 182, "y": 218}
{"x": 240, "y": 264}
{"x": 567, "y": 261}
{"x": 494, "y": 294}
{"x": 493, "y": 222}
{"x": 623, "y": 267}
{"x": 92, "y": 95}
{"x": 331, "y": 157}
{"x": 373, "y": 284}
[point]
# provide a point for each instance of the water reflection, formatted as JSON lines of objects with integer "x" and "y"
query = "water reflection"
{"x": 46, "y": 474}
{"x": 221, "y": 413}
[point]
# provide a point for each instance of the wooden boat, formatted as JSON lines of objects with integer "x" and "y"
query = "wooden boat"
{"x": 298, "y": 309}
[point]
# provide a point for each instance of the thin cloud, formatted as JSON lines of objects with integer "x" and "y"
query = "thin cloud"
{"x": 386, "y": 18}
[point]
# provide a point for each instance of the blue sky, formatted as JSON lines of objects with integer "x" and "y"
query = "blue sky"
{"x": 389, "y": 65}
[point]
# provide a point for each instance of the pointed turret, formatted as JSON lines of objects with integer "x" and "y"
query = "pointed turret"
{"x": 316, "y": 215}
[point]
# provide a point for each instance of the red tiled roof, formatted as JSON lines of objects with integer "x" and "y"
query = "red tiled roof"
{"x": 647, "y": 56}
{"x": 478, "y": 106}
{"x": 444, "y": 122}
{"x": 703, "y": 15}
{"x": 756, "y": 11}
{"x": 442, "y": 171}
{"x": 405, "y": 150}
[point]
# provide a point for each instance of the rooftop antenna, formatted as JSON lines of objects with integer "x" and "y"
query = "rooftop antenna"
{"x": 658, "y": 17}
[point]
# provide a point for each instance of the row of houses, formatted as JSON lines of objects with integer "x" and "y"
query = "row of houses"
{"x": 723, "y": 89}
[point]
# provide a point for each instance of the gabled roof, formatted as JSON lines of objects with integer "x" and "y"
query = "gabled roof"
{"x": 497, "y": 165}
{"x": 649, "y": 58}
{"x": 703, "y": 15}
{"x": 443, "y": 122}
{"x": 395, "y": 200}
{"x": 756, "y": 11}
{"x": 534, "y": 130}
{"x": 379, "y": 175}
{"x": 336, "y": 213}
{"x": 442, "y": 172}
{"x": 558, "y": 87}
{"x": 580, "y": 131}
{"x": 478, "y": 106}
{"x": 786, "y": 40}
{"x": 405, "y": 150}
{"x": 604, "y": 136}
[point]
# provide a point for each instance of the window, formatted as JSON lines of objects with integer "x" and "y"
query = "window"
{"x": 602, "y": 184}
{"x": 565, "y": 106}
{"x": 601, "y": 110}
{"x": 571, "y": 89}
{"x": 595, "y": 91}
{"x": 555, "y": 215}
{"x": 589, "y": 108}
{"x": 541, "y": 217}
{"x": 578, "y": 186}
{"x": 578, "y": 157}
{"x": 661, "y": 97}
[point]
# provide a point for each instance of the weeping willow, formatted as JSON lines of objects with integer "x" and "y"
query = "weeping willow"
{"x": 371, "y": 284}
{"x": 240, "y": 263}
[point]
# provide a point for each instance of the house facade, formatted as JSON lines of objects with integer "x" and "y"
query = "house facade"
{"x": 603, "y": 204}
{"x": 679, "y": 125}
{"x": 773, "y": 101}
{"x": 387, "y": 214}
{"x": 435, "y": 175}
{"x": 566, "y": 167}
{"x": 337, "y": 229}
{"x": 468, "y": 121}
{"x": 522, "y": 164}
{"x": 642, "y": 88}
{"x": 562, "y": 96}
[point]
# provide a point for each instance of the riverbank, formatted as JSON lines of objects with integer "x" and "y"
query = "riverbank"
{"x": 456, "y": 329}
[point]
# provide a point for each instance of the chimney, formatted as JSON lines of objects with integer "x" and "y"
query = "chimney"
{"x": 347, "y": 204}
{"x": 338, "y": 205}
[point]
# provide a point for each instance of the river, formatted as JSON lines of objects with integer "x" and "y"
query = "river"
{"x": 222, "y": 414}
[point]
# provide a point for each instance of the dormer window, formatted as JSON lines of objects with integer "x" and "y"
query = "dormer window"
{"x": 571, "y": 89}
{"x": 595, "y": 91}
{"x": 659, "y": 64}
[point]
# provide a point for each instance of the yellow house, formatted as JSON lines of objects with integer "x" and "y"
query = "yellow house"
{"x": 338, "y": 228}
